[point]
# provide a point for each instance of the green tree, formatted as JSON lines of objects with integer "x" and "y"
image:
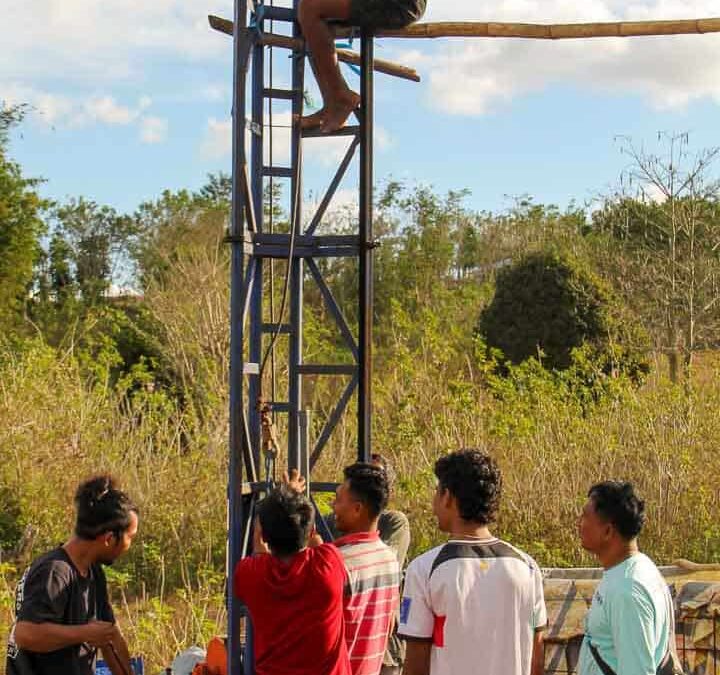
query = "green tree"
{"x": 21, "y": 227}
{"x": 548, "y": 305}
{"x": 96, "y": 239}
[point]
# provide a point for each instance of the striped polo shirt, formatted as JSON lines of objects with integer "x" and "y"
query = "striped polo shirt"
{"x": 371, "y": 597}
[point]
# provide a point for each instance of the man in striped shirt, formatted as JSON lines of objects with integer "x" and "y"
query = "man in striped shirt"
{"x": 372, "y": 591}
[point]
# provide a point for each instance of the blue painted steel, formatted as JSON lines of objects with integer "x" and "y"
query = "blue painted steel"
{"x": 250, "y": 246}
{"x": 136, "y": 664}
{"x": 366, "y": 255}
{"x": 238, "y": 438}
{"x": 257, "y": 185}
{"x": 297, "y": 265}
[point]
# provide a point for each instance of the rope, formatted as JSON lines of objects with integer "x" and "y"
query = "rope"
{"x": 270, "y": 444}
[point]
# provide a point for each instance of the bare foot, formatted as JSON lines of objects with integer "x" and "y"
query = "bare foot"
{"x": 313, "y": 121}
{"x": 338, "y": 111}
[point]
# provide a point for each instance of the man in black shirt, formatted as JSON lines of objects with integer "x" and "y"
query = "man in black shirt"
{"x": 63, "y": 615}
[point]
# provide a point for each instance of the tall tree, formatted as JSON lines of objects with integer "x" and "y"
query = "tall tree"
{"x": 666, "y": 218}
{"x": 21, "y": 227}
{"x": 97, "y": 239}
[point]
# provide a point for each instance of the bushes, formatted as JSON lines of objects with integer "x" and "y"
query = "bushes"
{"x": 549, "y": 305}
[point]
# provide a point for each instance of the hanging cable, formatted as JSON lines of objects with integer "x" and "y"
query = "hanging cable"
{"x": 294, "y": 227}
{"x": 271, "y": 219}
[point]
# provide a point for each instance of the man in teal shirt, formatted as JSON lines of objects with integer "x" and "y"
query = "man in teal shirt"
{"x": 630, "y": 620}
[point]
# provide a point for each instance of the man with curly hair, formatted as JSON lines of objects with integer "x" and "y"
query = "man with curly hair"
{"x": 475, "y": 604}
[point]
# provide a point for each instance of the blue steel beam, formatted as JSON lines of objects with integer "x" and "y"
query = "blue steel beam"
{"x": 239, "y": 452}
{"x": 297, "y": 265}
{"x": 250, "y": 246}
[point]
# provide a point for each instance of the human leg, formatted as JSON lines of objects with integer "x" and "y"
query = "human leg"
{"x": 339, "y": 100}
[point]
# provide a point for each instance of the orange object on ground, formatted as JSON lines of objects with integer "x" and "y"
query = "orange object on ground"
{"x": 216, "y": 660}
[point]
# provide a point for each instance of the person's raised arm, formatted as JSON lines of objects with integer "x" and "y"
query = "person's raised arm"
{"x": 259, "y": 544}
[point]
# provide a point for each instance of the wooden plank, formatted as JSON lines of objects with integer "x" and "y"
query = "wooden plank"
{"x": 535, "y": 31}
{"x": 344, "y": 55}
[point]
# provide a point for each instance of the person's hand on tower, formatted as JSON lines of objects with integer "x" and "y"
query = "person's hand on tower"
{"x": 294, "y": 480}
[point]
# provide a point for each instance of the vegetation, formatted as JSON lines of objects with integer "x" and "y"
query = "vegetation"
{"x": 93, "y": 377}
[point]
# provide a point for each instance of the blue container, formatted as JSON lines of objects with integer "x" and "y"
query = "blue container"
{"x": 137, "y": 665}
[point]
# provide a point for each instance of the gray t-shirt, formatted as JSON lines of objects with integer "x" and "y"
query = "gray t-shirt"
{"x": 52, "y": 590}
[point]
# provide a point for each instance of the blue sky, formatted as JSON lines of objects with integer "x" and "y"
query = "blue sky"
{"x": 132, "y": 97}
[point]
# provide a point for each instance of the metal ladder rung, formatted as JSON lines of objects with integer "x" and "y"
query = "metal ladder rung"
{"x": 278, "y": 171}
{"x": 283, "y": 94}
{"x": 270, "y": 13}
{"x": 284, "y": 328}
{"x": 353, "y": 130}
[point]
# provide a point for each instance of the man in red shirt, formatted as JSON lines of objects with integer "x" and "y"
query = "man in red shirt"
{"x": 294, "y": 593}
{"x": 372, "y": 592}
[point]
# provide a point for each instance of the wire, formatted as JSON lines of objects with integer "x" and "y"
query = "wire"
{"x": 288, "y": 271}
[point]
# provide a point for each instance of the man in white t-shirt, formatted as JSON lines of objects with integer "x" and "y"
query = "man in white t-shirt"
{"x": 473, "y": 606}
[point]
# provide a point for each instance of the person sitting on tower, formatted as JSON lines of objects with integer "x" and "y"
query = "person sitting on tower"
{"x": 339, "y": 101}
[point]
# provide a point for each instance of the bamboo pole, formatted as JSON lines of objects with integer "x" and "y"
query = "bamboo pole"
{"x": 344, "y": 55}
{"x": 533, "y": 31}
{"x": 555, "y": 31}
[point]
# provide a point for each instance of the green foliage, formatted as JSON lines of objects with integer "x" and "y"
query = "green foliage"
{"x": 21, "y": 227}
{"x": 547, "y": 306}
{"x": 137, "y": 385}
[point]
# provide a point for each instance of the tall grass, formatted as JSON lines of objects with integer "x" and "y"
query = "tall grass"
{"x": 57, "y": 427}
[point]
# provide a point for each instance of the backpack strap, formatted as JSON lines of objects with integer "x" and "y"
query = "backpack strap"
{"x": 607, "y": 670}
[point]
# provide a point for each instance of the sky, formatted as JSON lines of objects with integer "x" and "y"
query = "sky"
{"x": 132, "y": 97}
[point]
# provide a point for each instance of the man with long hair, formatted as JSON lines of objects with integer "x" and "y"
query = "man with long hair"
{"x": 63, "y": 615}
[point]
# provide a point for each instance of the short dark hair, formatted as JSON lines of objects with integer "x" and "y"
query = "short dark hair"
{"x": 369, "y": 484}
{"x": 474, "y": 479}
{"x": 382, "y": 461}
{"x": 102, "y": 507}
{"x": 286, "y": 518}
{"x": 617, "y": 503}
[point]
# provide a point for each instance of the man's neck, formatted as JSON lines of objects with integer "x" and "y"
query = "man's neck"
{"x": 464, "y": 529}
{"x": 79, "y": 551}
{"x": 366, "y": 527}
{"x": 618, "y": 554}
{"x": 288, "y": 558}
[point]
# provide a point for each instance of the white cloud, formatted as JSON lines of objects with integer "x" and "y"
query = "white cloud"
{"x": 65, "y": 112}
{"x": 153, "y": 129}
{"x": 472, "y": 77}
{"x": 217, "y": 142}
{"x": 91, "y": 41}
{"x": 107, "y": 110}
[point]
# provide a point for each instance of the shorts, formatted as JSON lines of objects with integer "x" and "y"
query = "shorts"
{"x": 389, "y": 14}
